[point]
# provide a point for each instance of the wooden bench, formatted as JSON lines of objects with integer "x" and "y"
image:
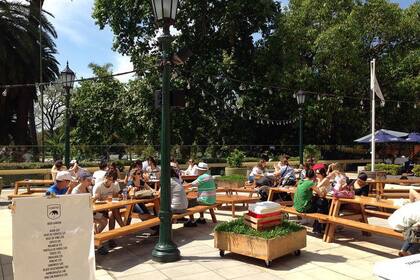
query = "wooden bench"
{"x": 188, "y": 212}
{"x": 317, "y": 216}
{"x": 364, "y": 227}
{"x": 122, "y": 231}
{"x": 197, "y": 209}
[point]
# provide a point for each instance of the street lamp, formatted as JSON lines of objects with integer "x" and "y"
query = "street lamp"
{"x": 165, "y": 250}
{"x": 67, "y": 77}
{"x": 300, "y": 97}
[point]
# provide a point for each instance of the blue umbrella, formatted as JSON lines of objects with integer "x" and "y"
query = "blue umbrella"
{"x": 381, "y": 137}
{"x": 413, "y": 137}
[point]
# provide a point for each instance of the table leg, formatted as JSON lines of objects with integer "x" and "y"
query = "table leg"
{"x": 330, "y": 233}
{"x": 213, "y": 215}
{"x": 364, "y": 219}
{"x": 270, "y": 195}
{"x": 233, "y": 210}
{"x": 127, "y": 214}
{"x": 16, "y": 188}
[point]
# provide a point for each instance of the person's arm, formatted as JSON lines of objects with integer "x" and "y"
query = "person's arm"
{"x": 317, "y": 190}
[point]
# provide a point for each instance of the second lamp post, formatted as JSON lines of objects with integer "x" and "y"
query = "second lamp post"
{"x": 300, "y": 97}
{"x": 67, "y": 77}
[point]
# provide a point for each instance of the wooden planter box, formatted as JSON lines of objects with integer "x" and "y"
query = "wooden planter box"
{"x": 260, "y": 248}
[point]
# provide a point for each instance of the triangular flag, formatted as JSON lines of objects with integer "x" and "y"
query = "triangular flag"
{"x": 377, "y": 90}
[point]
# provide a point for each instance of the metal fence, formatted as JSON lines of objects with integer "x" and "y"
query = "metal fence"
{"x": 210, "y": 153}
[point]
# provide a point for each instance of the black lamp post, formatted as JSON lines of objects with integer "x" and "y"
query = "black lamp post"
{"x": 67, "y": 77}
{"x": 300, "y": 97}
{"x": 165, "y": 250}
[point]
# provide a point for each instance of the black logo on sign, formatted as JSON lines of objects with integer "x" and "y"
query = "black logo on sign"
{"x": 54, "y": 211}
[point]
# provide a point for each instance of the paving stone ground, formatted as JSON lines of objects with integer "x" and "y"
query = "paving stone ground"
{"x": 352, "y": 256}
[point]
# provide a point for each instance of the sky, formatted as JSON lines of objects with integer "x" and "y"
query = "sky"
{"x": 80, "y": 41}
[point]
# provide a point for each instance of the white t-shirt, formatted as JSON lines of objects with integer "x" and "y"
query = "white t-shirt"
{"x": 98, "y": 176}
{"x": 256, "y": 171}
{"x": 77, "y": 189}
{"x": 192, "y": 170}
{"x": 103, "y": 192}
{"x": 406, "y": 216}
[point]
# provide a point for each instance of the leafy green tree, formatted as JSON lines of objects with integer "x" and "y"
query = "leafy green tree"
{"x": 96, "y": 109}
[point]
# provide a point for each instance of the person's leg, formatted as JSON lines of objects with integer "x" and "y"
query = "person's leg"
{"x": 100, "y": 224}
{"x": 414, "y": 195}
{"x": 111, "y": 221}
{"x": 201, "y": 220}
{"x": 414, "y": 248}
{"x": 117, "y": 215}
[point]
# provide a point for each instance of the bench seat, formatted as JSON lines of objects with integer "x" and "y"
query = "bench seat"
{"x": 366, "y": 227}
{"x": 118, "y": 232}
{"x": 198, "y": 209}
{"x": 292, "y": 210}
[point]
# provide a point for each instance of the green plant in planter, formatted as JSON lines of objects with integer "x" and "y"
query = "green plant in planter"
{"x": 232, "y": 178}
{"x": 238, "y": 226}
{"x": 235, "y": 158}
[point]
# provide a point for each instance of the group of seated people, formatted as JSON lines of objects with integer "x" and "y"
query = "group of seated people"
{"x": 104, "y": 185}
{"x": 313, "y": 185}
{"x": 316, "y": 183}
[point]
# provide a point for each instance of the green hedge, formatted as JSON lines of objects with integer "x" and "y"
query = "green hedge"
{"x": 48, "y": 165}
{"x": 391, "y": 169}
{"x": 238, "y": 226}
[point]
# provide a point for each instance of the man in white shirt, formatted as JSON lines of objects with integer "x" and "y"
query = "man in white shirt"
{"x": 105, "y": 189}
{"x": 99, "y": 175}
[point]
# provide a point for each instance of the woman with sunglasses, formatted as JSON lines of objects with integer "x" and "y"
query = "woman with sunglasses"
{"x": 135, "y": 184}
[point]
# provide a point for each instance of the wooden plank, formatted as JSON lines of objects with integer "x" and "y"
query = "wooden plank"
{"x": 122, "y": 231}
{"x": 262, "y": 220}
{"x": 263, "y": 226}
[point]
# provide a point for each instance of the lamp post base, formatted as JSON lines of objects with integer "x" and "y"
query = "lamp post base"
{"x": 166, "y": 252}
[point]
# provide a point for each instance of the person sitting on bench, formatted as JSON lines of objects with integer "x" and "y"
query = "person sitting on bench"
{"x": 407, "y": 220}
{"x": 206, "y": 192}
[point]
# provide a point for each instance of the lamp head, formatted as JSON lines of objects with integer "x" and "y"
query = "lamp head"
{"x": 165, "y": 11}
{"x": 67, "y": 77}
{"x": 300, "y": 97}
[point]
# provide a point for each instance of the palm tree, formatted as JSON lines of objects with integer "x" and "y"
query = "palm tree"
{"x": 19, "y": 64}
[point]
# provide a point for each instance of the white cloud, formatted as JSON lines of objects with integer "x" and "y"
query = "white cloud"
{"x": 70, "y": 20}
{"x": 123, "y": 64}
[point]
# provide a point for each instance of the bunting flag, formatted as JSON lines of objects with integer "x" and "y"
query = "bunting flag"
{"x": 377, "y": 89}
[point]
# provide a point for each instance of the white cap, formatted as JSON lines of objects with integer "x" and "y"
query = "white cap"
{"x": 63, "y": 176}
{"x": 73, "y": 161}
{"x": 202, "y": 166}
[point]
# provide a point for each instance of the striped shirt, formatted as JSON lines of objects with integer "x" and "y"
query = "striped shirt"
{"x": 206, "y": 189}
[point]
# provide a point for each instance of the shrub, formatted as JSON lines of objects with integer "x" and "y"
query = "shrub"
{"x": 238, "y": 226}
{"x": 235, "y": 158}
{"x": 234, "y": 178}
{"x": 391, "y": 169}
{"x": 312, "y": 151}
{"x": 416, "y": 169}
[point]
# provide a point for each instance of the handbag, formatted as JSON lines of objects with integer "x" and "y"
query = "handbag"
{"x": 345, "y": 192}
{"x": 143, "y": 194}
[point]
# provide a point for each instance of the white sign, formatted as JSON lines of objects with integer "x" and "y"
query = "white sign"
{"x": 53, "y": 238}
{"x": 407, "y": 268}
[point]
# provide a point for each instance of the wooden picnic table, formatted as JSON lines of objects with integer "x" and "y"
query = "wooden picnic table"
{"x": 362, "y": 202}
{"x": 127, "y": 204}
{"x": 189, "y": 178}
{"x": 233, "y": 199}
{"x": 29, "y": 183}
{"x": 378, "y": 185}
